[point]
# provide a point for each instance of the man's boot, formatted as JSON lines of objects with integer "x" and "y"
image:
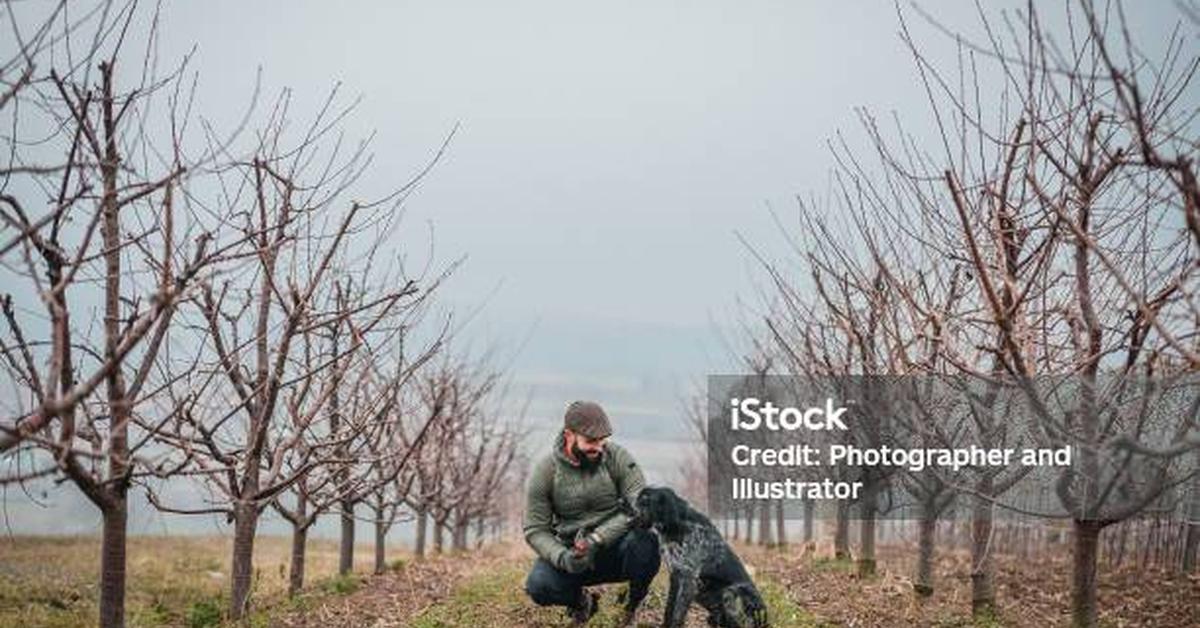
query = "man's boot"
{"x": 589, "y": 603}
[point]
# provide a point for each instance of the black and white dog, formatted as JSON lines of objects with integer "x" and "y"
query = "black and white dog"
{"x": 703, "y": 567}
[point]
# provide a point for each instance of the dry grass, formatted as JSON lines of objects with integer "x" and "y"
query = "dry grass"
{"x": 1029, "y": 592}
{"x": 182, "y": 581}
{"x": 172, "y": 581}
{"x": 486, "y": 588}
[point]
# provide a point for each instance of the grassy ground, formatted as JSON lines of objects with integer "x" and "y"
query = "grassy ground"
{"x": 496, "y": 598}
{"x": 486, "y": 589}
{"x": 183, "y": 581}
{"x": 802, "y": 589}
{"x": 172, "y": 581}
{"x": 1032, "y": 591}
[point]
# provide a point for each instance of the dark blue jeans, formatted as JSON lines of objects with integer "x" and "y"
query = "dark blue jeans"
{"x": 633, "y": 558}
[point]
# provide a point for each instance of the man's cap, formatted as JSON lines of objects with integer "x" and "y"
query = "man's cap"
{"x": 587, "y": 418}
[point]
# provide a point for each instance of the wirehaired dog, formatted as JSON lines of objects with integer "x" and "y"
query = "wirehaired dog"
{"x": 703, "y": 567}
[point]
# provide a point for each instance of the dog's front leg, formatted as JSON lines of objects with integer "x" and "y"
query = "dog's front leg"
{"x": 672, "y": 595}
{"x": 684, "y": 583}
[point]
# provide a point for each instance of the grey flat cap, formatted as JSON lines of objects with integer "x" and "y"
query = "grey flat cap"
{"x": 587, "y": 418}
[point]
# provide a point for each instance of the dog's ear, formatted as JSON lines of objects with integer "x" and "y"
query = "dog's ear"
{"x": 673, "y": 509}
{"x": 628, "y": 505}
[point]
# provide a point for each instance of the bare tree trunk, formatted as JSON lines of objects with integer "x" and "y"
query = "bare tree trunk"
{"x": 458, "y": 538}
{"x": 115, "y": 512}
{"x": 244, "y": 527}
{"x": 380, "y": 542}
{"x": 1122, "y": 543}
{"x": 841, "y": 537}
{"x": 479, "y": 532}
{"x": 459, "y": 542}
{"x": 923, "y": 585}
{"x": 737, "y": 524}
{"x": 439, "y": 528}
{"x": 780, "y": 525}
{"x": 1084, "y": 606}
{"x": 809, "y": 516}
{"x": 346, "y": 549}
{"x": 1191, "y": 544}
{"x": 866, "y": 530}
{"x": 764, "y": 524}
{"x": 983, "y": 590}
{"x": 296, "y": 570}
{"x": 422, "y": 529}
{"x": 112, "y": 565}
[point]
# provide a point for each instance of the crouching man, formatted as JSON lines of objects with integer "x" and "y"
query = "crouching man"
{"x": 575, "y": 521}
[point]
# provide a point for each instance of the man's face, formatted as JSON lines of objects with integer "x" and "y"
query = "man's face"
{"x": 586, "y": 450}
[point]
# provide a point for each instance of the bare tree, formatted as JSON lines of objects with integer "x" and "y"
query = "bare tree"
{"x": 109, "y": 262}
{"x": 1067, "y": 221}
{"x": 305, "y": 245}
{"x": 1037, "y": 236}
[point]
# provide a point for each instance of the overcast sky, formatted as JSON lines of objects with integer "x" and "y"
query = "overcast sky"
{"x": 608, "y": 151}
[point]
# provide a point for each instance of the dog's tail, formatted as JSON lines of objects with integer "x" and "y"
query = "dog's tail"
{"x": 744, "y": 606}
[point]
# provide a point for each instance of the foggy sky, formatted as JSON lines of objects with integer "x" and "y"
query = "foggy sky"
{"x": 607, "y": 153}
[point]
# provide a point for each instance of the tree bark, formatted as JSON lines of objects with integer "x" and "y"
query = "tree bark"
{"x": 809, "y": 516}
{"x": 245, "y": 526}
{"x": 841, "y": 537}
{"x": 923, "y": 584}
{"x": 764, "y": 524}
{"x": 346, "y": 550}
{"x": 296, "y": 570}
{"x": 112, "y": 564}
{"x": 115, "y": 509}
{"x": 439, "y": 530}
{"x": 780, "y": 525}
{"x": 459, "y": 538}
{"x": 983, "y": 590}
{"x": 380, "y": 542}
{"x": 1191, "y": 546}
{"x": 866, "y": 562}
{"x": 1084, "y": 604}
{"x": 1191, "y": 543}
{"x": 422, "y": 530}
{"x": 479, "y": 533}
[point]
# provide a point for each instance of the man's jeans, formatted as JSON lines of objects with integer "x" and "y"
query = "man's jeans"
{"x": 634, "y": 557}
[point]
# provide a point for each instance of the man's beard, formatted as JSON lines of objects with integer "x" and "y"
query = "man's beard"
{"x": 585, "y": 462}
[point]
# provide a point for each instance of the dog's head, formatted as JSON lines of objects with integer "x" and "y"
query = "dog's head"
{"x": 661, "y": 508}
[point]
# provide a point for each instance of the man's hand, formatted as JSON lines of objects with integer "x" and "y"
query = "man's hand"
{"x": 584, "y": 545}
{"x": 569, "y": 562}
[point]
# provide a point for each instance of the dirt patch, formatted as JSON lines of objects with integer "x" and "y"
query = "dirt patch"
{"x": 485, "y": 588}
{"x": 1029, "y": 593}
{"x": 395, "y": 598}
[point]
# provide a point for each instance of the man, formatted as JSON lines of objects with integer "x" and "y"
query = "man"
{"x": 575, "y": 521}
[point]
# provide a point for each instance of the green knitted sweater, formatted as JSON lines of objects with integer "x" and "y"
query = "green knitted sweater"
{"x": 563, "y": 500}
